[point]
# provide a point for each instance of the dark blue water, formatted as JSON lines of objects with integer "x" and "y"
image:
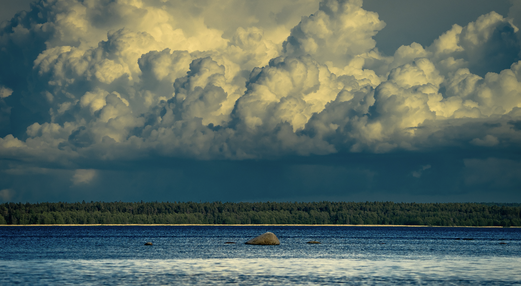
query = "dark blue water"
{"x": 198, "y": 254}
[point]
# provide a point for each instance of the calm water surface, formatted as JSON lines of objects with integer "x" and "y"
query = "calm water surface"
{"x": 116, "y": 255}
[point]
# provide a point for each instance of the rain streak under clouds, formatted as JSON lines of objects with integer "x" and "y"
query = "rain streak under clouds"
{"x": 254, "y": 100}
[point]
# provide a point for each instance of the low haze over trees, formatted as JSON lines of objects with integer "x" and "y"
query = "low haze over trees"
{"x": 385, "y": 213}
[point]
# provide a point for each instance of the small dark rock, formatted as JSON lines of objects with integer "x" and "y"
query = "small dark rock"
{"x": 502, "y": 243}
{"x": 314, "y": 242}
{"x": 148, "y": 243}
{"x": 229, "y": 242}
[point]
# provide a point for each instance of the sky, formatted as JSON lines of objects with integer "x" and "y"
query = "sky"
{"x": 272, "y": 100}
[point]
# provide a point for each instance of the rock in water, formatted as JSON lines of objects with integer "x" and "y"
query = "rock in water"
{"x": 314, "y": 242}
{"x": 148, "y": 243}
{"x": 267, "y": 238}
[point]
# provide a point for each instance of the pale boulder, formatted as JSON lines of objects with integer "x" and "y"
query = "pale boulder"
{"x": 267, "y": 238}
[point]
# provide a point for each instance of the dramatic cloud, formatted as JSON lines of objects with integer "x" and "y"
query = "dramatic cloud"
{"x": 90, "y": 86}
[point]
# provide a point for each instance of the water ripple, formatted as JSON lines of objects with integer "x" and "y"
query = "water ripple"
{"x": 491, "y": 271}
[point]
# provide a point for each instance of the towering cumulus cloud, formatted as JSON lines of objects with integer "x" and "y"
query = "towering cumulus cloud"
{"x": 87, "y": 86}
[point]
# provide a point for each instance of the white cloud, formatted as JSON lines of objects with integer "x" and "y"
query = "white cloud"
{"x": 514, "y": 12}
{"x": 337, "y": 32}
{"x": 83, "y": 176}
{"x": 6, "y": 195}
{"x": 488, "y": 44}
{"x": 132, "y": 78}
{"x": 288, "y": 90}
{"x": 5, "y": 92}
{"x": 418, "y": 173}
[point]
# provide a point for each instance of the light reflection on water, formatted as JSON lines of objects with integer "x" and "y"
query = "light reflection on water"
{"x": 490, "y": 271}
{"x": 199, "y": 255}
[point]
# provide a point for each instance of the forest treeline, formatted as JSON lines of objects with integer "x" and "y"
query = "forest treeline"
{"x": 359, "y": 213}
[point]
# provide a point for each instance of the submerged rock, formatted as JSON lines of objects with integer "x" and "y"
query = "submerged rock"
{"x": 148, "y": 243}
{"x": 229, "y": 242}
{"x": 267, "y": 238}
{"x": 314, "y": 242}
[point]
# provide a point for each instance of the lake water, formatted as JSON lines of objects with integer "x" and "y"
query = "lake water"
{"x": 194, "y": 255}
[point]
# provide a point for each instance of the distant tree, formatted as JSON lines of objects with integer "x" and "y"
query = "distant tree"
{"x": 468, "y": 214}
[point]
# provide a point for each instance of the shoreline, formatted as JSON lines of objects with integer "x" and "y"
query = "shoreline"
{"x": 272, "y": 225}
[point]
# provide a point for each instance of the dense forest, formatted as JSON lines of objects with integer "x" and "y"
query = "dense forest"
{"x": 385, "y": 213}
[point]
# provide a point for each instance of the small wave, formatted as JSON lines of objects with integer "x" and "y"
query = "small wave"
{"x": 261, "y": 271}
